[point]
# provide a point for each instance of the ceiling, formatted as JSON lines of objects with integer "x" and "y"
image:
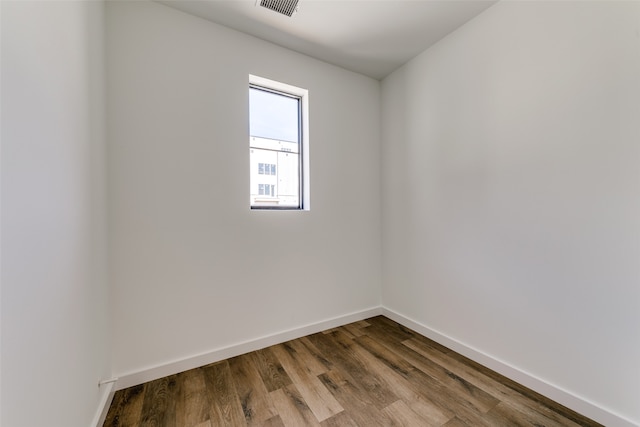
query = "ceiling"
{"x": 371, "y": 37}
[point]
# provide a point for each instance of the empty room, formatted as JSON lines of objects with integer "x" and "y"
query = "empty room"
{"x": 323, "y": 212}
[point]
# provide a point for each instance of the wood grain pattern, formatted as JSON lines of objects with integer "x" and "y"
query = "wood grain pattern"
{"x": 270, "y": 370}
{"x": 315, "y": 394}
{"x": 192, "y": 408}
{"x": 357, "y": 403}
{"x": 126, "y": 407}
{"x": 368, "y": 373}
{"x": 224, "y": 403}
{"x": 252, "y": 391}
{"x": 292, "y": 408}
{"x": 158, "y": 408}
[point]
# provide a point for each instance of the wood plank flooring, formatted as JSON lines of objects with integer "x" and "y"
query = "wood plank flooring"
{"x": 369, "y": 373}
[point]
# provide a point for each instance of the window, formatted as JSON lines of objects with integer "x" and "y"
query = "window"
{"x": 266, "y": 189}
{"x": 266, "y": 169}
{"x": 278, "y": 145}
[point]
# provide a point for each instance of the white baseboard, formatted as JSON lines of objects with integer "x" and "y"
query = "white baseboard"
{"x": 564, "y": 397}
{"x": 134, "y": 378}
{"x": 106, "y": 396}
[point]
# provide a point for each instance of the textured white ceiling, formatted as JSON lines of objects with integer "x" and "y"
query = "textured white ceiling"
{"x": 371, "y": 37}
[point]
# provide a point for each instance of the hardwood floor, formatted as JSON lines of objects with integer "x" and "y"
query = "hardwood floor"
{"x": 369, "y": 373}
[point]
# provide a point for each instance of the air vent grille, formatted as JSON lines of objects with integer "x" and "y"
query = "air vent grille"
{"x": 286, "y": 7}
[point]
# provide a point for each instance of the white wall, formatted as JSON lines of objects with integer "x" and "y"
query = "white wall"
{"x": 511, "y": 193}
{"x": 54, "y": 296}
{"x": 192, "y": 268}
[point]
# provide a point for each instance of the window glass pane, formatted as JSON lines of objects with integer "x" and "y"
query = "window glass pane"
{"x": 275, "y": 149}
{"x": 273, "y": 116}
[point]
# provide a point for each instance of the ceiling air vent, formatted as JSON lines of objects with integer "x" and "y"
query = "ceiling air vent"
{"x": 286, "y": 7}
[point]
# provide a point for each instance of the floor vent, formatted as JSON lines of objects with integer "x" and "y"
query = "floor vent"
{"x": 285, "y": 7}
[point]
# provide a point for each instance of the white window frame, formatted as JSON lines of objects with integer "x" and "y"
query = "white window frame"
{"x": 303, "y": 94}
